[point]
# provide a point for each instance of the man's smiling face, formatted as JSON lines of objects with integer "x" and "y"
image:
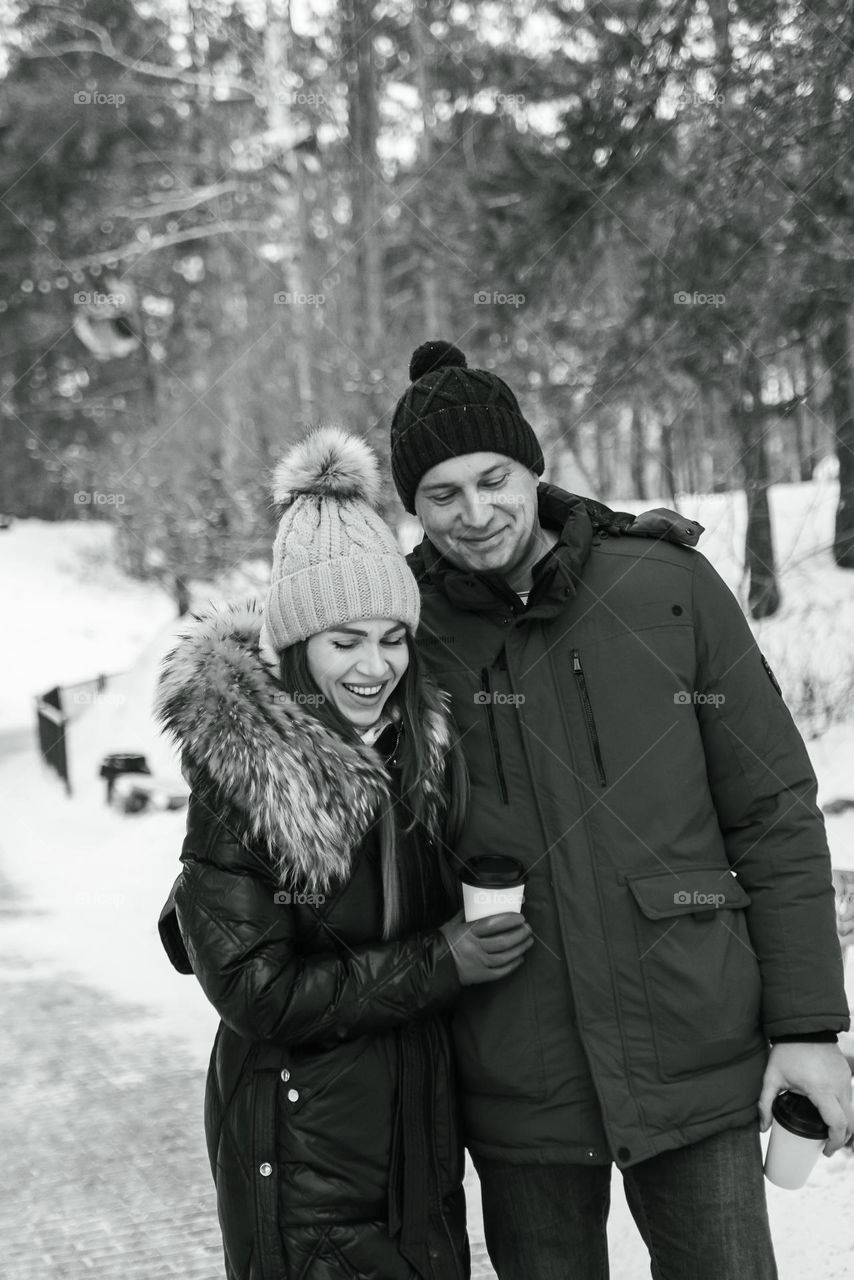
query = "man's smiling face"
{"x": 479, "y": 510}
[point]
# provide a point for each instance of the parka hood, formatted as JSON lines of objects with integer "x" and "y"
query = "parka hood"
{"x": 305, "y": 792}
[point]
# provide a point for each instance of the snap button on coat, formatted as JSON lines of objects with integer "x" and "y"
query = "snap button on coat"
{"x": 265, "y": 1169}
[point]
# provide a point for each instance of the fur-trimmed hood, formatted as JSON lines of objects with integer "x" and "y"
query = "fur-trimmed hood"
{"x": 305, "y": 792}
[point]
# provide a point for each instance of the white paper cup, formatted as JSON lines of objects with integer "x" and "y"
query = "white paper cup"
{"x": 479, "y": 901}
{"x": 790, "y": 1159}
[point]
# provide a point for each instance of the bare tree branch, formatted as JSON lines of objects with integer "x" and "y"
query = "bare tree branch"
{"x": 158, "y": 205}
{"x": 105, "y": 48}
{"x": 162, "y": 242}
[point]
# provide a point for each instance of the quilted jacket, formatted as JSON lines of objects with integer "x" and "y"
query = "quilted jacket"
{"x": 279, "y": 905}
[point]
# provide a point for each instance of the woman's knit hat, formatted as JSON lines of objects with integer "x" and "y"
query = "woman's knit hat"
{"x": 334, "y": 559}
{"x": 449, "y": 410}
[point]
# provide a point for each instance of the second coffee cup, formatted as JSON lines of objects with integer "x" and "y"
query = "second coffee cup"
{"x": 798, "y": 1134}
{"x": 492, "y": 883}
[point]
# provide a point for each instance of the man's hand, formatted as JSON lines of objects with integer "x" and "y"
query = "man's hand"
{"x": 821, "y": 1073}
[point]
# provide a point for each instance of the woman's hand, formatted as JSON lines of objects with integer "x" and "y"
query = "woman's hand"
{"x": 488, "y": 949}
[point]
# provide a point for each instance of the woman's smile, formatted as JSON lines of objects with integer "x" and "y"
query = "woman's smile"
{"x": 365, "y": 692}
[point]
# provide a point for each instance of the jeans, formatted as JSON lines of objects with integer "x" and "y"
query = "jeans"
{"x": 700, "y": 1209}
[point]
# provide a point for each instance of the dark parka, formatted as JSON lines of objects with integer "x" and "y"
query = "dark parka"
{"x": 627, "y": 741}
{"x": 279, "y": 905}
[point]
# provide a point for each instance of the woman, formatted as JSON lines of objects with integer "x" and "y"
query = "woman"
{"x": 316, "y": 901}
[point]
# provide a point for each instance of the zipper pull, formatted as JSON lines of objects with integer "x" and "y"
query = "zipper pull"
{"x": 576, "y": 662}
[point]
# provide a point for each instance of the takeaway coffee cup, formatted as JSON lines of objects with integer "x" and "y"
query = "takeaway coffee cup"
{"x": 491, "y": 884}
{"x": 798, "y": 1134}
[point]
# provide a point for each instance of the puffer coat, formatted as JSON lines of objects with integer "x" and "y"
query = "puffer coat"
{"x": 330, "y": 1112}
{"x": 627, "y": 741}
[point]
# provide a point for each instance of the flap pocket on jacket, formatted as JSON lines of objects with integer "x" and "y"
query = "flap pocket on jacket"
{"x": 698, "y": 891}
{"x": 699, "y": 971}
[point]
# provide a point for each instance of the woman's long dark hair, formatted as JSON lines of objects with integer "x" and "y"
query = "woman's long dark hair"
{"x": 406, "y": 704}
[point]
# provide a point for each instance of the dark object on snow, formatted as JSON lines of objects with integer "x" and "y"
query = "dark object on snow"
{"x": 139, "y": 792}
{"x": 5, "y": 521}
{"x": 838, "y": 806}
{"x": 113, "y": 766}
{"x": 51, "y": 722}
{"x": 131, "y": 793}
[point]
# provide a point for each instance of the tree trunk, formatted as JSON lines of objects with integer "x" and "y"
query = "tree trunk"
{"x": 433, "y": 311}
{"x": 836, "y": 346}
{"x": 717, "y": 434}
{"x": 812, "y": 395}
{"x": 637, "y": 454}
{"x": 689, "y": 449}
{"x": 801, "y": 417}
{"x": 763, "y": 591}
{"x": 603, "y": 442}
{"x": 181, "y": 593}
{"x": 288, "y": 184}
{"x": 368, "y": 332}
{"x": 668, "y": 475}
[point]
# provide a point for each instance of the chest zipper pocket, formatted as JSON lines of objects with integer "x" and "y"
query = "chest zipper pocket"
{"x": 493, "y": 734}
{"x": 587, "y": 707}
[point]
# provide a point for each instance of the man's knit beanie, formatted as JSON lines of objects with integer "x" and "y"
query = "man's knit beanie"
{"x": 449, "y": 410}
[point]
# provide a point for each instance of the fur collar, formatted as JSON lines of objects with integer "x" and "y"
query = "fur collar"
{"x": 308, "y": 795}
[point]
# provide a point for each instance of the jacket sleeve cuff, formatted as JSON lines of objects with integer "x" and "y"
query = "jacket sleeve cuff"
{"x": 807, "y": 1037}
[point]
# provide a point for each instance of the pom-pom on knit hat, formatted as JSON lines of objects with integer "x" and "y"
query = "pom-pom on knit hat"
{"x": 450, "y": 409}
{"x": 334, "y": 558}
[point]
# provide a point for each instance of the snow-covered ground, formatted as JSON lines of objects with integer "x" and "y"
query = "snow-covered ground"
{"x": 70, "y": 614}
{"x": 95, "y": 881}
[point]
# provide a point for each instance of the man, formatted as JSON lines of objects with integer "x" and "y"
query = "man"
{"x": 628, "y": 742}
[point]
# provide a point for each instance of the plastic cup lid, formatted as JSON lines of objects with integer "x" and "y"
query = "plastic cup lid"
{"x": 493, "y": 871}
{"x": 796, "y": 1113}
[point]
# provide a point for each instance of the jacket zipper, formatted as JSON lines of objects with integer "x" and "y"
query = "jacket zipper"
{"x": 588, "y": 717}
{"x": 493, "y": 735}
